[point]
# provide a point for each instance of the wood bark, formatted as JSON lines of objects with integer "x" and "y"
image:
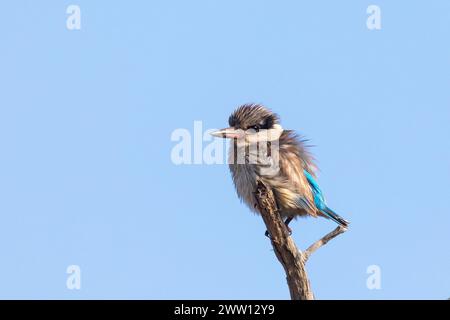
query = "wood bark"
{"x": 291, "y": 258}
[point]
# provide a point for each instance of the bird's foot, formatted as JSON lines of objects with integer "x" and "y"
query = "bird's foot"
{"x": 289, "y": 230}
{"x": 286, "y": 223}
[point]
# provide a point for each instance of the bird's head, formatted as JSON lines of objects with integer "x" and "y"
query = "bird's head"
{"x": 251, "y": 123}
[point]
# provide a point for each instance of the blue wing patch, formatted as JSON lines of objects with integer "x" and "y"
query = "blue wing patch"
{"x": 319, "y": 201}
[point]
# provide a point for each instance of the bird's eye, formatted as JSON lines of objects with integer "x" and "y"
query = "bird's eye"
{"x": 256, "y": 128}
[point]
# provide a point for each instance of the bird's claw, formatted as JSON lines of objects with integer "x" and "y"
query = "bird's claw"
{"x": 267, "y": 234}
{"x": 289, "y": 230}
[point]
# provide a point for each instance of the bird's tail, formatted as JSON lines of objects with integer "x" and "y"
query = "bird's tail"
{"x": 335, "y": 217}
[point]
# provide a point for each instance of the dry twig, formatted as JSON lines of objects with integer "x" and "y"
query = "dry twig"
{"x": 292, "y": 259}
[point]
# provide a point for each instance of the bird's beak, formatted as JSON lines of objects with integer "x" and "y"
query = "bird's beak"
{"x": 231, "y": 133}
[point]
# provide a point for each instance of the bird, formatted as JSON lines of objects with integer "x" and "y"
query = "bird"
{"x": 289, "y": 168}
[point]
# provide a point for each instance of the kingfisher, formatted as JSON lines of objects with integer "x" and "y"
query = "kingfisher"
{"x": 261, "y": 150}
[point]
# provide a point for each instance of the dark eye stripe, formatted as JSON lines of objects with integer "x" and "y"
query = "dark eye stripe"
{"x": 268, "y": 122}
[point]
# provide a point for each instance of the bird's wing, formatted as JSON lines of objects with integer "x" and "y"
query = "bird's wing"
{"x": 292, "y": 143}
{"x": 319, "y": 199}
{"x": 320, "y": 204}
{"x": 292, "y": 167}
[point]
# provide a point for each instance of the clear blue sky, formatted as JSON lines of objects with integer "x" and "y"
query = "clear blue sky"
{"x": 86, "y": 116}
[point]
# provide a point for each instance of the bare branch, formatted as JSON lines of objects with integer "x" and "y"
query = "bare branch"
{"x": 319, "y": 243}
{"x": 292, "y": 259}
{"x": 285, "y": 249}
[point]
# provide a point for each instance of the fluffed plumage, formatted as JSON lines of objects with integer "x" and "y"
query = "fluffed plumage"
{"x": 297, "y": 193}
